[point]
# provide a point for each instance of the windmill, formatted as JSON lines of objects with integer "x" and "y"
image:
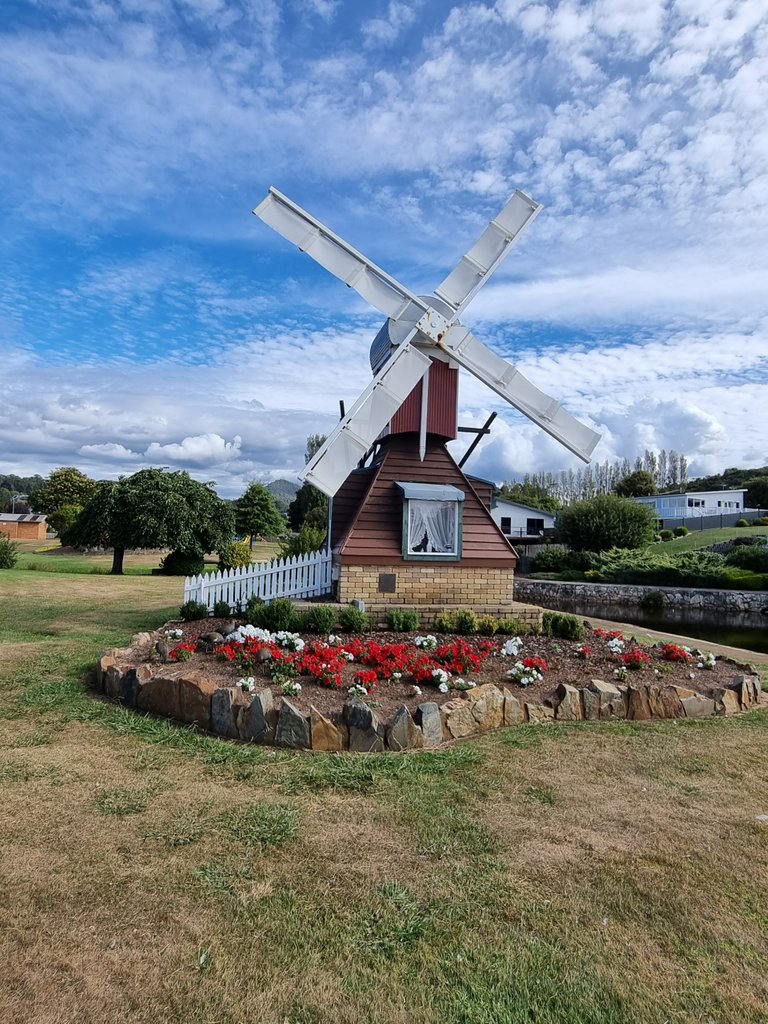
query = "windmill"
{"x": 414, "y": 357}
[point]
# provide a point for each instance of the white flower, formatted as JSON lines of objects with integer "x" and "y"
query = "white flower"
{"x": 511, "y": 647}
{"x": 440, "y": 675}
{"x": 616, "y": 645}
{"x": 248, "y": 684}
{"x": 397, "y": 676}
{"x": 416, "y": 691}
{"x": 291, "y": 689}
{"x": 443, "y": 687}
{"x": 332, "y": 638}
{"x": 656, "y": 672}
{"x": 426, "y": 643}
{"x": 173, "y": 634}
{"x": 691, "y": 675}
{"x": 358, "y": 690}
{"x": 349, "y": 656}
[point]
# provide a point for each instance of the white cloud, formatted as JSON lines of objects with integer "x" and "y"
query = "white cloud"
{"x": 201, "y": 449}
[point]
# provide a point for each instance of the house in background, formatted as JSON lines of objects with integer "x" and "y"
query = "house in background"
{"x": 23, "y": 526}
{"x": 695, "y": 504}
{"x": 518, "y": 522}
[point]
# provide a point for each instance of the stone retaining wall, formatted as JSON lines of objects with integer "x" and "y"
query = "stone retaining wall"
{"x": 226, "y": 711}
{"x": 560, "y": 595}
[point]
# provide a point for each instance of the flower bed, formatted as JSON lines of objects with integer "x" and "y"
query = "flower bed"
{"x": 195, "y": 673}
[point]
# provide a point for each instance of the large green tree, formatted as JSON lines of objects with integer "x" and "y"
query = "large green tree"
{"x": 256, "y": 512}
{"x": 307, "y": 498}
{"x": 154, "y": 508}
{"x": 63, "y": 496}
{"x": 636, "y": 485}
{"x": 604, "y": 522}
{"x": 757, "y": 493}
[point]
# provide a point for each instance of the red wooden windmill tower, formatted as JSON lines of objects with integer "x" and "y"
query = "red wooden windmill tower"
{"x": 408, "y": 526}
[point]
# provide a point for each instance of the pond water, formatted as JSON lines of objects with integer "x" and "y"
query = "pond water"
{"x": 749, "y": 632}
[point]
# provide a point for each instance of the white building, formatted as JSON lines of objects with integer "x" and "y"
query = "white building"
{"x": 516, "y": 521}
{"x": 694, "y": 504}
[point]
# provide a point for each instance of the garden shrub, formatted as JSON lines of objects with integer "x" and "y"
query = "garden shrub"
{"x": 307, "y": 541}
{"x": 352, "y": 620}
{"x": 743, "y": 522}
{"x": 567, "y": 627}
{"x": 761, "y": 521}
{"x": 252, "y": 610}
{"x": 278, "y": 614}
{"x": 654, "y": 601}
{"x": 552, "y": 559}
{"x": 604, "y": 522}
{"x": 182, "y": 563}
{"x": 512, "y": 627}
{"x": 666, "y": 534}
{"x": 444, "y": 623}
{"x": 235, "y": 555}
{"x": 320, "y": 618}
{"x": 192, "y": 610}
{"x": 754, "y": 557}
{"x": 9, "y": 552}
{"x": 681, "y": 531}
{"x": 221, "y": 610}
{"x": 402, "y": 620}
{"x": 487, "y": 625}
{"x": 465, "y": 621}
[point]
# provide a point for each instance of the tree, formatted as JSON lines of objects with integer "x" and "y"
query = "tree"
{"x": 528, "y": 493}
{"x": 154, "y": 508}
{"x": 757, "y": 493}
{"x": 604, "y": 522}
{"x": 64, "y": 517}
{"x": 5, "y": 499}
{"x": 65, "y": 486}
{"x": 256, "y": 512}
{"x": 307, "y": 498}
{"x": 636, "y": 485}
{"x": 314, "y": 443}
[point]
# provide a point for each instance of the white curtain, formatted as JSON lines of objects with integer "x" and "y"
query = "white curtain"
{"x": 432, "y": 526}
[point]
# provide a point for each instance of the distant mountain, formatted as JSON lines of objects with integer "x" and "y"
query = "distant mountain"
{"x": 283, "y": 491}
{"x": 732, "y": 477}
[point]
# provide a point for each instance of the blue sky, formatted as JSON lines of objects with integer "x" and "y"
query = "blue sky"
{"x": 146, "y": 318}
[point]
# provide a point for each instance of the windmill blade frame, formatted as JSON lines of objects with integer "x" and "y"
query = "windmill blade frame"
{"x": 510, "y": 384}
{"x": 339, "y": 258}
{"x": 489, "y": 252}
{"x": 352, "y": 437}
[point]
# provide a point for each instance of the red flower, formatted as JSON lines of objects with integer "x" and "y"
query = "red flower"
{"x": 671, "y": 652}
{"x": 635, "y": 659}
{"x": 538, "y": 663}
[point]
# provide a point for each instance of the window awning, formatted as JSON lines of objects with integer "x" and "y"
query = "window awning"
{"x": 430, "y": 492}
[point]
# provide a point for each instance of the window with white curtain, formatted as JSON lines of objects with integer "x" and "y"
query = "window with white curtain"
{"x": 431, "y": 521}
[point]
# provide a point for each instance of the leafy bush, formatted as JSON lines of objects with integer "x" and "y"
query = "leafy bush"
{"x": 465, "y": 621}
{"x": 605, "y": 522}
{"x": 761, "y": 521}
{"x": 9, "y": 552}
{"x": 352, "y": 620}
{"x": 235, "y": 555}
{"x": 192, "y": 610}
{"x": 681, "y": 531}
{"x": 654, "y": 601}
{"x": 305, "y": 542}
{"x": 278, "y": 614}
{"x": 443, "y": 623}
{"x": 553, "y": 559}
{"x": 221, "y": 610}
{"x": 182, "y": 563}
{"x": 487, "y": 625}
{"x": 743, "y": 522}
{"x": 752, "y": 557}
{"x": 742, "y": 579}
{"x": 567, "y": 627}
{"x": 512, "y": 627}
{"x": 666, "y": 534}
{"x": 320, "y": 618}
{"x": 402, "y": 620}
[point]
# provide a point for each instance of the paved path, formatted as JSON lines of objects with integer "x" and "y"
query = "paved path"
{"x": 737, "y": 653}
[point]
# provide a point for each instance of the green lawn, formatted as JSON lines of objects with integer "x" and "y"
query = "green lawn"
{"x": 592, "y": 874}
{"x": 706, "y": 538}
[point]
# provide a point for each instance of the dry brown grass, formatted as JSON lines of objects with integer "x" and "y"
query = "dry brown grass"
{"x": 607, "y": 874}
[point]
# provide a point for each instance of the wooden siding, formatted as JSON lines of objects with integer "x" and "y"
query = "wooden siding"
{"x": 374, "y": 537}
{"x": 441, "y": 414}
{"x": 347, "y": 500}
{"x": 483, "y": 489}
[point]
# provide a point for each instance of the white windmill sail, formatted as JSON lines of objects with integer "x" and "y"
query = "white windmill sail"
{"x": 337, "y": 256}
{"x": 353, "y": 436}
{"x": 428, "y": 323}
{"x": 492, "y": 247}
{"x": 508, "y": 382}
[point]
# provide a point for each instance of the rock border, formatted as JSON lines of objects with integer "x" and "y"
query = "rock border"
{"x": 253, "y": 718}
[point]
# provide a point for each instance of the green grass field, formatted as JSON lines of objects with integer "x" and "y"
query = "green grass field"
{"x": 706, "y": 538}
{"x": 592, "y": 874}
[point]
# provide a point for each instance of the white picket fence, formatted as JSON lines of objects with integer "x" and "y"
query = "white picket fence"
{"x": 300, "y": 577}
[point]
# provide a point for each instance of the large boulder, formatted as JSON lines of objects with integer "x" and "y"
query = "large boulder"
{"x": 568, "y": 707}
{"x": 366, "y": 732}
{"x": 458, "y": 718}
{"x": 402, "y": 731}
{"x": 292, "y": 727}
{"x": 431, "y": 723}
{"x": 513, "y": 709}
{"x": 325, "y": 734}
{"x": 487, "y": 705}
